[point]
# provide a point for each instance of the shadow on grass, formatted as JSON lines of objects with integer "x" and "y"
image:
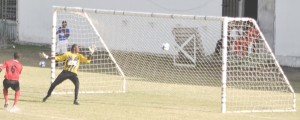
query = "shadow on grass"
{"x": 146, "y": 67}
{"x": 30, "y": 56}
{"x": 293, "y": 75}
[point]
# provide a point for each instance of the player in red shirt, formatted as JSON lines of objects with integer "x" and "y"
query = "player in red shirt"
{"x": 254, "y": 36}
{"x": 241, "y": 45}
{"x": 11, "y": 79}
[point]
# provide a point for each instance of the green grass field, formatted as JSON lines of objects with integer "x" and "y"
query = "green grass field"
{"x": 151, "y": 104}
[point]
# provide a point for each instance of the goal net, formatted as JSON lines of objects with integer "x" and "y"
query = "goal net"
{"x": 211, "y": 62}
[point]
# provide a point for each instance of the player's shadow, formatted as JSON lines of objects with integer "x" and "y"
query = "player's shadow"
{"x": 292, "y": 73}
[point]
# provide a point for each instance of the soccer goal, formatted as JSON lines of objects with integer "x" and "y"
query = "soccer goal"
{"x": 220, "y": 62}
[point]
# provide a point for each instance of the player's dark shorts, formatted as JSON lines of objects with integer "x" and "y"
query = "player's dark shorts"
{"x": 14, "y": 84}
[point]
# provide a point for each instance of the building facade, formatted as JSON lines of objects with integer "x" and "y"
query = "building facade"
{"x": 277, "y": 19}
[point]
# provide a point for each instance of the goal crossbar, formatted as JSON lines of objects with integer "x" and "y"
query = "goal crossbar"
{"x": 242, "y": 66}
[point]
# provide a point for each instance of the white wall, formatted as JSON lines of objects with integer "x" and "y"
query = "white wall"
{"x": 35, "y": 16}
{"x": 287, "y": 40}
{"x": 147, "y": 34}
{"x": 266, "y": 20}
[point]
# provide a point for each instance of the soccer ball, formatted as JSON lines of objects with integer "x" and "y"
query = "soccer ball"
{"x": 166, "y": 46}
{"x": 42, "y": 63}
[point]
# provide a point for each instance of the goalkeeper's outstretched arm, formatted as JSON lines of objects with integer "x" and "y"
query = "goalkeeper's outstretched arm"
{"x": 45, "y": 56}
{"x": 74, "y": 49}
{"x": 92, "y": 50}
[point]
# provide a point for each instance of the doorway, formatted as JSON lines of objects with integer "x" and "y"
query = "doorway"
{"x": 240, "y": 8}
{"x": 250, "y": 9}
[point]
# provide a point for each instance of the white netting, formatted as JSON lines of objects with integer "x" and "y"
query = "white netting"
{"x": 101, "y": 75}
{"x": 191, "y": 69}
{"x": 255, "y": 80}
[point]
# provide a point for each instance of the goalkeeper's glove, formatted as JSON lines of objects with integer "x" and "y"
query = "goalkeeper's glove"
{"x": 92, "y": 49}
{"x": 43, "y": 55}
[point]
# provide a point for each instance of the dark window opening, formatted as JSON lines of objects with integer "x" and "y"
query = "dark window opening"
{"x": 8, "y": 10}
{"x": 240, "y": 8}
{"x": 230, "y": 8}
{"x": 251, "y": 9}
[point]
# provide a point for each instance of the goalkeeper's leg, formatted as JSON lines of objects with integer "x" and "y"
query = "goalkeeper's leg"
{"x": 60, "y": 78}
{"x": 75, "y": 81}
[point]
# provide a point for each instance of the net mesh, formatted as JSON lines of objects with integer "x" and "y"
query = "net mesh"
{"x": 190, "y": 70}
{"x": 101, "y": 75}
{"x": 252, "y": 72}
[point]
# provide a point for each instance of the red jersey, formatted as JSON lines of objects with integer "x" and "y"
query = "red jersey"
{"x": 253, "y": 34}
{"x": 241, "y": 45}
{"x": 13, "y": 69}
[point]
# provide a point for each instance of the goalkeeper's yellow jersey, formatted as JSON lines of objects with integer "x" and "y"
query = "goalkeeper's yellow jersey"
{"x": 72, "y": 61}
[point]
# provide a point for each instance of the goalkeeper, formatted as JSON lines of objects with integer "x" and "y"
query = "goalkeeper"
{"x": 72, "y": 61}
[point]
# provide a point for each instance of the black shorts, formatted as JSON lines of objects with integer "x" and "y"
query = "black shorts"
{"x": 14, "y": 84}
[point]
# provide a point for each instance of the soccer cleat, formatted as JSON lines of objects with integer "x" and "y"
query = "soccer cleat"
{"x": 76, "y": 102}
{"x": 5, "y": 106}
{"x": 14, "y": 109}
{"x": 45, "y": 99}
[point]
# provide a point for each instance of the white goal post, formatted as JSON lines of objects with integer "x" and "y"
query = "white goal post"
{"x": 218, "y": 61}
{"x": 94, "y": 78}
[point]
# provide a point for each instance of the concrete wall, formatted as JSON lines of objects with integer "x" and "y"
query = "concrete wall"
{"x": 266, "y": 20}
{"x": 35, "y": 16}
{"x": 287, "y": 32}
{"x": 35, "y": 19}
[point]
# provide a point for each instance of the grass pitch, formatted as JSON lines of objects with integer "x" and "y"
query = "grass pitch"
{"x": 132, "y": 105}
